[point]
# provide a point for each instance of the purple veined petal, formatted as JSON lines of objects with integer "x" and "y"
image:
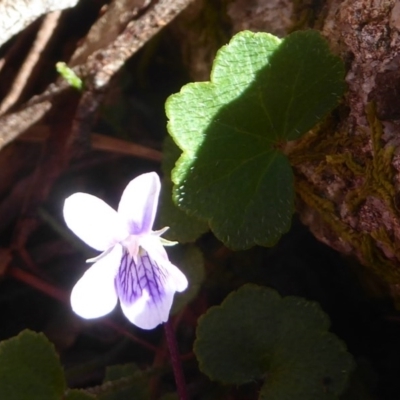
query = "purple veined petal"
{"x": 145, "y": 290}
{"x": 139, "y": 202}
{"x": 156, "y": 251}
{"x": 94, "y": 294}
{"x": 146, "y": 313}
{"x": 152, "y": 244}
{"x": 93, "y": 221}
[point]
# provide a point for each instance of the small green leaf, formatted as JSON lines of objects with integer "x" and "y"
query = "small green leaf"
{"x": 256, "y": 334}
{"x": 69, "y": 75}
{"x": 30, "y": 369}
{"x": 263, "y": 92}
{"x": 182, "y": 227}
{"x": 190, "y": 261}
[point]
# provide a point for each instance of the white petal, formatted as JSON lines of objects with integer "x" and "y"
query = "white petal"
{"x": 93, "y": 220}
{"x": 94, "y": 294}
{"x": 178, "y": 278}
{"x": 147, "y": 314}
{"x": 139, "y": 202}
{"x": 153, "y": 246}
{"x": 146, "y": 289}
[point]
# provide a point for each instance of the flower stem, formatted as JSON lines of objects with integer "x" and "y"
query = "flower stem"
{"x": 175, "y": 361}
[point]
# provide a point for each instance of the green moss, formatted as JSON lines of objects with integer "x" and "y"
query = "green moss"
{"x": 380, "y": 172}
{"x": 332, "y": 155}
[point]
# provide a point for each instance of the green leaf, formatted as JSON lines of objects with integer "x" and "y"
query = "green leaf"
{"x": 189, "y": 260}
{"x": 182, "y": 227}
{"x": 256, "y": 334}
{"x": 30, "y": 369}
{"x": 121, "y": 371}
{"x": 76, "y": 394}
{"x": 69, "y": 75}
{"x": 263, "y": 91}
{"x": 124, "y": 382}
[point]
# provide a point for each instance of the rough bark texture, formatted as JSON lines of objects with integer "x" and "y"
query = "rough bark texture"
{"x": 349, "y": 185}
{"x": 348, "y": 170}
{"x": 17, "y": 14}
{"x": 273, "y": 16}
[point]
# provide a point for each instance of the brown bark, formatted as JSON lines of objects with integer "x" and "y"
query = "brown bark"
{"x": 348, "y": 170}
{"x": 354, "y": 175}
{"x": 18, "y": 14}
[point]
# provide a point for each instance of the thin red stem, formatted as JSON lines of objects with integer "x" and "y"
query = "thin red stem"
{"x": 176, "y": 361}
{"x": 62, "y": 296}
{"x": 38, "y": 284}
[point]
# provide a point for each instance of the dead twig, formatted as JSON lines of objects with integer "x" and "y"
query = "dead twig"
{"x": 56, "y": 155}
{"x": 103, "y": 64}
{"x": 96, "y": 72}
{"x": 100, "y": 142}
{"x": 62, "y": 296}
{"x": 12, "y": 125}
{"x": 42, "y": 38}
{"x": 72, "y": 115}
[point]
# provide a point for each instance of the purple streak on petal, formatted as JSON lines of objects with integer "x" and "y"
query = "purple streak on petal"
{"x": 146, "y": 288}
{"x": 132, "y": 279}
{"x": 176, "y": 279}
{"x": 139, "y": 202}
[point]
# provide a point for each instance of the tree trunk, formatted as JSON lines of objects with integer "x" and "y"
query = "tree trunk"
{"x": 348, "y": 169}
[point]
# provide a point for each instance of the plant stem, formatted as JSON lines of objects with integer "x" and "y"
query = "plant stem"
{"x": 175, "y": 361}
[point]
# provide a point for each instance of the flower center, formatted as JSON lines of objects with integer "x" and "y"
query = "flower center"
{"x": 132, "y": 246}
{"x": 136, "y": 276}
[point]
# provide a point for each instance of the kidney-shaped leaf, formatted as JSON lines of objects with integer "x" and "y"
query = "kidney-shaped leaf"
{"x": 263, "y": 91}
{"x": 30, "y": 369}
{"x": 256, "y": 334}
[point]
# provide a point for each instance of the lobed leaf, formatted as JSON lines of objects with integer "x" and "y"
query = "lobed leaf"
{"x": 256, "y": 334}
{"x": 263, "y": 91}
{"x": 30, "y": 368}
{"x": 183, "y": 228}
{"x": 125, "y": 381}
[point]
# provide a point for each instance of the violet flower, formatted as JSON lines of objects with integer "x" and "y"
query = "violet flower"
{"x": 134, "y": 265}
